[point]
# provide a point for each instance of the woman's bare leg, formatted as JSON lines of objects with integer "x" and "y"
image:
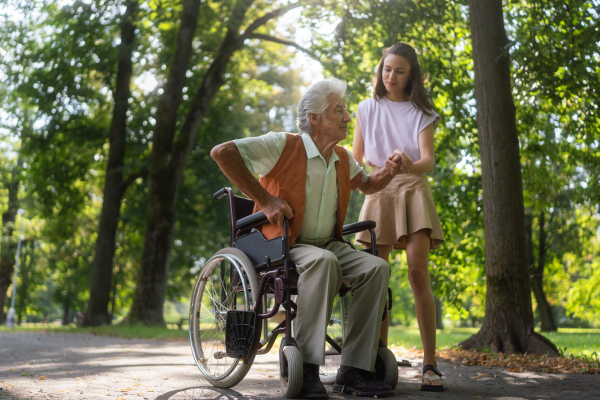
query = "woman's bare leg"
{"x": 417, "y": 257}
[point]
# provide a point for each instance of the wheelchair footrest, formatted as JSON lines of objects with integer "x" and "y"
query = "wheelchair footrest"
{"x": 240, "y": 327}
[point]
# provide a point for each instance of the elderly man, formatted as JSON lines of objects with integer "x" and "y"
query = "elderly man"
{"x": 308, "y": 179}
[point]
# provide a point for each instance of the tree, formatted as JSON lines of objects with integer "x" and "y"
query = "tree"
{"x": 508, "y": 323}
{"x": 172, "y": 145}
{"x": 115, "y": 183}
{"x": 11, "y": 180}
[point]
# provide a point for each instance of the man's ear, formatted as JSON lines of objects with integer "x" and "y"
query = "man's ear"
{"x": 313, "y": 118}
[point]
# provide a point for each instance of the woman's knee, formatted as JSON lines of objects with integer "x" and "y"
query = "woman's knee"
{"x": 418, "y": 276}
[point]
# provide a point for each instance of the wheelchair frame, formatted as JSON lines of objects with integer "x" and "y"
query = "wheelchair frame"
{"x": 249, "y": 258}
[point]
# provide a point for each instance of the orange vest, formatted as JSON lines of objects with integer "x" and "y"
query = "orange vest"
{"x": 287, "y": 180}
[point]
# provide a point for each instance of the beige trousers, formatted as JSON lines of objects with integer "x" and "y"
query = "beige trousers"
{"x": 323, "y": 265}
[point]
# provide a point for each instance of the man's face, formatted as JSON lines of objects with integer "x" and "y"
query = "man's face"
{"x": 333, "y": 123}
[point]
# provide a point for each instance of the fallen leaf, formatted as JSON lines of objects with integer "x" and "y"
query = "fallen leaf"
{"x": 417, "y": 376}
{"x": 125, "y": 389}
{"x": 515, "y": 369}
{"x": 477, "y": 397}
{"x": 479, "y": 375}
{"x": 41, "y": 378}
{"x": 64, "y": 391}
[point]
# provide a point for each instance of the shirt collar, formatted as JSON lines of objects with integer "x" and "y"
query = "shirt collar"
{"x": 312, "y": 150}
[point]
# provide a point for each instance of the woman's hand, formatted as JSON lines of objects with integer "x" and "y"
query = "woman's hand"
{"x": 394, "y": 164}
{"x": 406, "y": 163}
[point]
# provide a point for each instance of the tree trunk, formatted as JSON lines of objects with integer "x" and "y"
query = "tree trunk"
{"x": 8, "y": 246}
{"x": 114, "y": 186}
{"x": 508, "y": 323}
{"x": 164, "y": 176}
{"x": 536, "y": 275}
{"x": 66, "y": 310}
{"x": 439, "y": 324}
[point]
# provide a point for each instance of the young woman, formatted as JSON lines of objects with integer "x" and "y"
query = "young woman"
{"x": 400, "y": 116}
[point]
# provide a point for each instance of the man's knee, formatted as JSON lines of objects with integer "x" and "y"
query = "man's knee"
{"x": 325, "y": 262}
{"x": 381, "y": 268}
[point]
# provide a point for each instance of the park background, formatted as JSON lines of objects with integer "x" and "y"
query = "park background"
{"x": 109, "y": 109}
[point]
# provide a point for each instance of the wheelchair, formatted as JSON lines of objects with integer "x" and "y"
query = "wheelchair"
{"x": 241, "y": 287}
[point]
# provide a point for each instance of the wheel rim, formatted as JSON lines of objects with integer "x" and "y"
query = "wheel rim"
{"x": 212, "y": 298}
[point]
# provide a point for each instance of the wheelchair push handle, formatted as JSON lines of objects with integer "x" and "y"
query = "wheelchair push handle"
{"x": 219, "y": 194}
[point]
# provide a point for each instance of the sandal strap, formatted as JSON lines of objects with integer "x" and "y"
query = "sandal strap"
{"x": 430, "y": 367}
{"x": 431, "y": 378}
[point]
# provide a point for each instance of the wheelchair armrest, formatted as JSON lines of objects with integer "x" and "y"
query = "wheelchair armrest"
{"x": 358, "y": 227}
{"x": 252, "y": 221}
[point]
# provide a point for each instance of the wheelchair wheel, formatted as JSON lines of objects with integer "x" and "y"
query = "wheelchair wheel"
{"x": 227, "y": 282}
{"x": 336, "y": 329}
{"x": 291, "y": 373}
{"x": 386, "y": 367}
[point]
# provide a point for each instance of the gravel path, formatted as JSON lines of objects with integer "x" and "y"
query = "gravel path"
{"x": 41, "y": 365}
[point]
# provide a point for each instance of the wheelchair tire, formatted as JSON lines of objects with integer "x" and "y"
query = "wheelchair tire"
{"x": 386, "y": 367}
{"x": 291, "y": 375}
{"x": 336, "y": 329}
{"x": 211, "y": 299}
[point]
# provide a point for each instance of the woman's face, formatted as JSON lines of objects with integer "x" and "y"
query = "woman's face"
{"x": 395, "y": 74}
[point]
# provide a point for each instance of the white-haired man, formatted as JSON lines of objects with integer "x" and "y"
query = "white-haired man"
{"x": 308, "y": 179}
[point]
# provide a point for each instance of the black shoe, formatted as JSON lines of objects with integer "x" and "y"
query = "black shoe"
{"x": 312, "y": 388}
{"x": 360, "y": 382}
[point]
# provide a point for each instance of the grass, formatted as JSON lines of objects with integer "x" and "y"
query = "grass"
{"x": 125, "y": 331}
{"x": 580, "y": 343}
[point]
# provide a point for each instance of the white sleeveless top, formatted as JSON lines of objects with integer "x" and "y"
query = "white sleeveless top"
{"x": 388, "y": 125}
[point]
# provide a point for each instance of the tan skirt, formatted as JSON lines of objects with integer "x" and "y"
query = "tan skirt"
{"x": 403, "y": 207}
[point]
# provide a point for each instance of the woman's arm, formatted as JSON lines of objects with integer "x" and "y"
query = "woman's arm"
{"x": 358, "y": 144}
{"x": 427, "y": 152}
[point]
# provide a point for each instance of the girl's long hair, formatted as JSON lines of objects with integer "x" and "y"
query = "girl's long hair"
{"x": 415, "y": 89}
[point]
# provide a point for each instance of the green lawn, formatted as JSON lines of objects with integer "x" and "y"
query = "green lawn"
{"x": 584, "y": 343}
{"x": 124, "y": 331}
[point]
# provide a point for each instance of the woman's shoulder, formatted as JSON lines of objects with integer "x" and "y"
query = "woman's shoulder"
{"x": 367, "y": 106}
{"x": 370, "y": 102}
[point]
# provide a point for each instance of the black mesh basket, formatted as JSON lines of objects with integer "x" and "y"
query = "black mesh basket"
{"x": 239, "y": 333}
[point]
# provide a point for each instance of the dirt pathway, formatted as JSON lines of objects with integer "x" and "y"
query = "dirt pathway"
{"x": 40, "y": 365}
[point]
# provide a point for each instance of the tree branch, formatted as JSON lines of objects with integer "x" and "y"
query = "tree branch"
{"x": 142, "y": 172}
{"x": 273, "y": 14}
{"x": 284, "y": 42}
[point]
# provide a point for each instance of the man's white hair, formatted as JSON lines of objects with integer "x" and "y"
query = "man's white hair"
{"x": 315, "y": 101}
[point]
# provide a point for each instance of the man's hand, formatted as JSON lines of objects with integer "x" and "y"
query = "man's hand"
{"x": 276, "y": 209}
{"x": 394, "y": 164}
{"x": 406, "y": 163}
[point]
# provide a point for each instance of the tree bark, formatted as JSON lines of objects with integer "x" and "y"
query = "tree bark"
{"x": 8, "y": 246}
{"x": 536, "y": 275}
{"x": 66, "y": 310}
{"x": 439, "y": 323}
{"x": 114, "y": 185}
{"x": 508, "y": 323}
